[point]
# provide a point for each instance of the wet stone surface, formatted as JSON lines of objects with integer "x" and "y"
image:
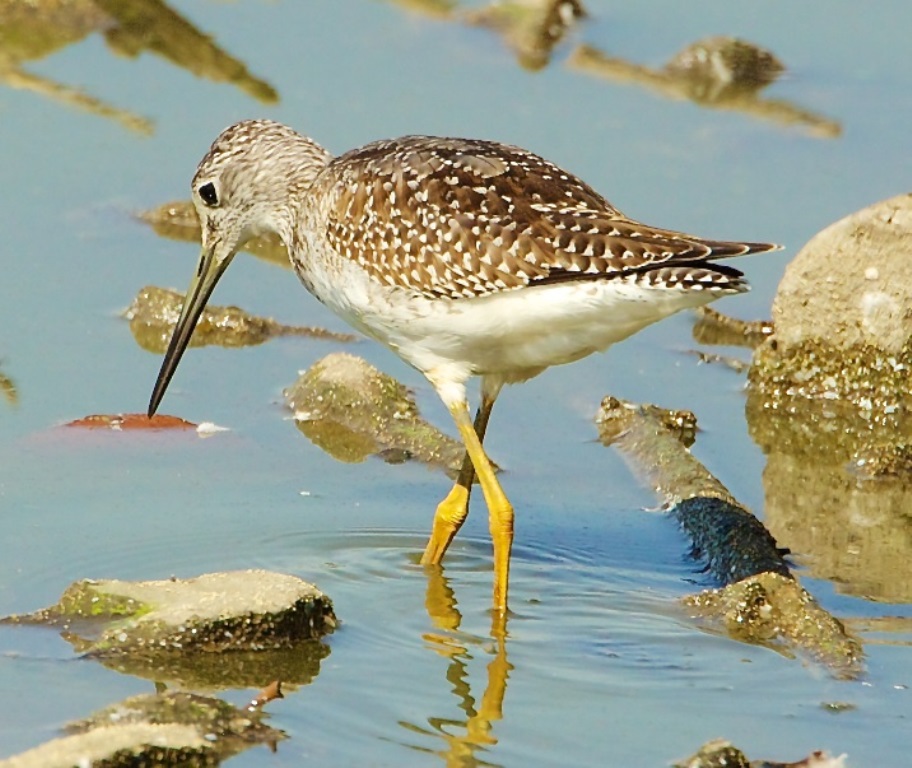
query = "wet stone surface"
{"x": 773, "y": 610}
{"x": 216, "y": 631}
{"x": 351, "y": 410}
{"x": 213, "y": 613}
{"x": 164, "y": 729}
{"x": 154, "y": 313}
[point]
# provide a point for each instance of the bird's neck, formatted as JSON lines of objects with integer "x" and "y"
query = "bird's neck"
{"x": 303, "y": 165}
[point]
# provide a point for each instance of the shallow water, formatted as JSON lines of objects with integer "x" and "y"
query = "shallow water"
{"x": 600, "y": 668}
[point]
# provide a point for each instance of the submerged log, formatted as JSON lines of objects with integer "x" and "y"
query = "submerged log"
{"x": 758, "y": 599}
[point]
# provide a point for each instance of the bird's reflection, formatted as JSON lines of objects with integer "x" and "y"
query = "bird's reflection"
{"x": 473, "y": 733}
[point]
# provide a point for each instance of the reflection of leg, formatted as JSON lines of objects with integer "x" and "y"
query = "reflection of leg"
{"x": 440, "y": 601}
{"x": 479, "y": 721}
{"x": 452, "y": 511}
{"x": 491, "y": 708}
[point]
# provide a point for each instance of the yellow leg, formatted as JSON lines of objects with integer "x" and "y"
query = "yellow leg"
{"x": 448, "y": 519}
{"x": 500, "y": 510}
{"x": 452, "y": 511}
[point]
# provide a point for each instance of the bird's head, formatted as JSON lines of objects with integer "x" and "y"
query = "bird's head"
{"x": 246, "y": 185}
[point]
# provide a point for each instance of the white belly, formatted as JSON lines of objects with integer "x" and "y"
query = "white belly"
{"x": 514, "y": 334}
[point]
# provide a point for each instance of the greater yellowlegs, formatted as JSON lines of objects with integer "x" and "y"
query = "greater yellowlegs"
{"x": 465, "y": 257}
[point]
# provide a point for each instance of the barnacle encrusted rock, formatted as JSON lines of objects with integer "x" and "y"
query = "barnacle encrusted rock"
{"x": 829, "y": 403}
{"x": 843, "y": 315}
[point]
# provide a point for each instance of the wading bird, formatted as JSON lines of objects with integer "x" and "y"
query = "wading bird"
{"x": 465, "y": 257}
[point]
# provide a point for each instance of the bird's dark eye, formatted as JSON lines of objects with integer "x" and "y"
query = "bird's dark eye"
{"x": 208, "y": 195}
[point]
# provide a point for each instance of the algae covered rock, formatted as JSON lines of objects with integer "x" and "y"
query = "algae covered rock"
{"x": 843, "y": 314}
{"x": 773, "y": 610}
{"x": 171, "y": 728}
{"x": 351, "y": 410}
{"x": 154, "y": 313}
{"x": 829, "y": 403}
{"x": 235, "y": 629}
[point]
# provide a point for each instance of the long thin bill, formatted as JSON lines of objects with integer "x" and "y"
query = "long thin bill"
{"x": 207, "y": 275}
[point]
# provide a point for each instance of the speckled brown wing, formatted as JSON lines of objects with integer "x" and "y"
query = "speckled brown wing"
{"x": 464, "y": 218}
